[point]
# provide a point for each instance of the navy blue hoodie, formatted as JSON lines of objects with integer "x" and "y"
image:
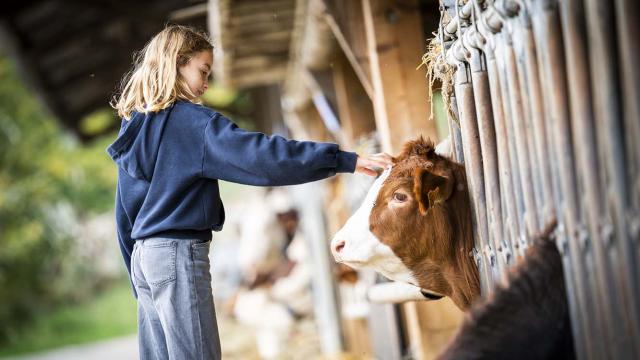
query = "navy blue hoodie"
{"x": 169, "y": 164}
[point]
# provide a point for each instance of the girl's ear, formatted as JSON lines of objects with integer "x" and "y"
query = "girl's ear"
{"x": 430, "y": 189}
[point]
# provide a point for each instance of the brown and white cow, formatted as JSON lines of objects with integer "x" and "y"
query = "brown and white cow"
{"x": 414, "y": 226}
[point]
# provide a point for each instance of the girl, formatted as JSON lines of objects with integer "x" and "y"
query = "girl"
{"x": 170, "y": 154}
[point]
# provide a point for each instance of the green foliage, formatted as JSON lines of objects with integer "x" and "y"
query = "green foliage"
{"x": 111, "y": 313}
{"x": 43, "y": 171}
{"x": 97, "y": 122}
{"x": 440, "y": 114}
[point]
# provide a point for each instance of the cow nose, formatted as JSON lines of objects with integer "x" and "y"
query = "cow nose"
{"x": 338, "y": 246}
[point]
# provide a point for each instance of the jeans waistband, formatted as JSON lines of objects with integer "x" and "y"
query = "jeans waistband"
{"x": 182, "y": 234}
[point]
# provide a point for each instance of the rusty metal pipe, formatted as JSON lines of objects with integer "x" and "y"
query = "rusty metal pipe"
{"x": 533, "y": 186}
{"x": 519, "y": 240}
{"x": 517, "y": 123}
{"x": 497, "y": 140}
{"x": 537, "y": 133}
{"x": 473, "y": 166}
{"x": 487, "y": 138}
{"x": 502, "y": 147}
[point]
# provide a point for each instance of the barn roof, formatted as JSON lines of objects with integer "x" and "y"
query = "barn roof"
{"x": 254, "y": 38}
{"x": 74, "y": 53}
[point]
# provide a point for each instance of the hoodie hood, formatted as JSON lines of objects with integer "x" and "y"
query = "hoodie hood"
{"x": 136, "y": 148}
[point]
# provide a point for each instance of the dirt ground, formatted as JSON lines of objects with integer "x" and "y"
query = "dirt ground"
{"x": 238, "y": 342}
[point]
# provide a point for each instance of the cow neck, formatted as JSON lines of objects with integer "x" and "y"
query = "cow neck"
{"x": 458, "y": 278}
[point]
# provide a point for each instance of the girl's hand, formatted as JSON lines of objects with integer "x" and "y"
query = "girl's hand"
{"x": 367, "y": 163}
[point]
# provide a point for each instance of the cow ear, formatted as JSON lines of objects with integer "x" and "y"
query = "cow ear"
{"x": 430, "y": 189}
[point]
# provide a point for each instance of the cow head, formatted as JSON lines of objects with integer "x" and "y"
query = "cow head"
{"x": 415, "y": 226}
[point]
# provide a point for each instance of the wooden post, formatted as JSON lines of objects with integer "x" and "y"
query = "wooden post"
{"x": 395, "y": 43}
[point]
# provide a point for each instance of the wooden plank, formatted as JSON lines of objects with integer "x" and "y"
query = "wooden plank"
{"x": 395, "y": 43}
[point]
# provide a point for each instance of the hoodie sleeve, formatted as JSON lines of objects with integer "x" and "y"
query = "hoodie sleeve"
{"x": 123, "y": 226}
{"x": 253, "y": 158}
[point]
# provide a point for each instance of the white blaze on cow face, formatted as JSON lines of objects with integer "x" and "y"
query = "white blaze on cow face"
{"x": 355, "y": 245}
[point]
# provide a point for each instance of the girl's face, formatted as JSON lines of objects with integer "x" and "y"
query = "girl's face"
{"x": 196, "y": 72}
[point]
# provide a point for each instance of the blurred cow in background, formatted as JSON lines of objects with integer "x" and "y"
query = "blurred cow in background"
{"x": 273, "y": 257}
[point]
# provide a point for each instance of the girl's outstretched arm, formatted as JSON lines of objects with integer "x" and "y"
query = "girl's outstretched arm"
{"x": 253, "y": 158}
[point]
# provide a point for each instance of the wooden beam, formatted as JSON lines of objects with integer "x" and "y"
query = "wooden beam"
{"x": 239, "y": 32}
{"x": 252, "y": 47}
{"x": 248, "y": 7}
{"x": 396, "y": 43}
{"x": 259, "y": 62}
{"x": 266, "y": 15}
{"x": 350, "y": 55}
{"x": 355, "y": 109}
{"x": 243, "y": 79}
{"x": 283, "y": 35}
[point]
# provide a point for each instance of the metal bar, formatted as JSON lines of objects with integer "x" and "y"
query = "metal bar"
{"x": 487, "y": 144}
{"x": 627, "y": 14}
{"x": 464, "y": 13}
{"x": 536, "y": 113}
{"x": 518, "y": 240}
{"x": 507, "y": 203}
{"x": 516, "y": 124}
{"x": 576, "y": 259}
{"x": 584, "y": 133}
{"x": 520, "y": 27}
{"x": 511, "y": 224}
{"x": 609, "y": 125}
{"x": 473, "y": 166}
{"x": 600, "y": 238}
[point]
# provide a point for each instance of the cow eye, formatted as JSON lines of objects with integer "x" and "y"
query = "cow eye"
{"x": 400, "y": 197}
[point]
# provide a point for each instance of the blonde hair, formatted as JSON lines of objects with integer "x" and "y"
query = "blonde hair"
{"x": 154, "y": 83}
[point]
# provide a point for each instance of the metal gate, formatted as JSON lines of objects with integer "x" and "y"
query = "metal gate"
{"x": 544, "y": 104}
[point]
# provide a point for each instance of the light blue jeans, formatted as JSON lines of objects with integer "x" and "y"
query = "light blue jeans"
{"x": 176, "y": 315}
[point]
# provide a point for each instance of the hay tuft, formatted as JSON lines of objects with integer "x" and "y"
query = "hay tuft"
{"x": 439, "y": 70}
